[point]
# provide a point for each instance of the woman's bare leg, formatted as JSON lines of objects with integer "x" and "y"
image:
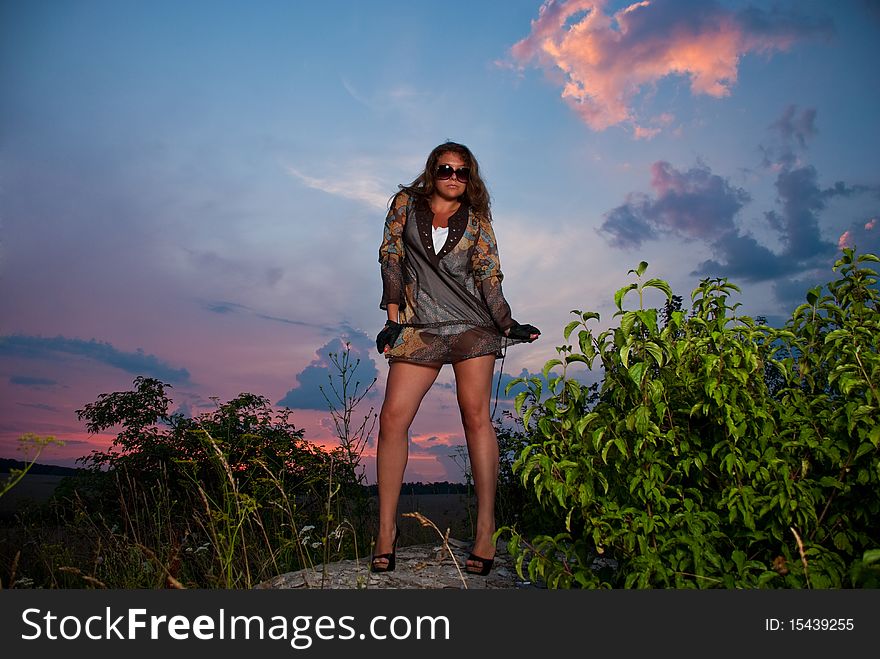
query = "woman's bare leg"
{"x": 406, "y": 386}
{"x": 473, "y": 382}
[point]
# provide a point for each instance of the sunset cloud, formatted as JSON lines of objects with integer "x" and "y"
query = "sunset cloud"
{"x": 605, "y": 60}
{"x": 28, "y": 381}
{"x": 693, "y": 204}
{"x": 863, "y": 236}
{"x": 698, "y": 204}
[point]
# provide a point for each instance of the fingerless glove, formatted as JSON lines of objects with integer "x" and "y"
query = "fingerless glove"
{"x": 388, "y": 336}
{"x": 523, "y": 332}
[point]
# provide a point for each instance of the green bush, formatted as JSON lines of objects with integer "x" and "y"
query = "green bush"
{"x": 227, "y": 499}
{"x": 689, "y": 471}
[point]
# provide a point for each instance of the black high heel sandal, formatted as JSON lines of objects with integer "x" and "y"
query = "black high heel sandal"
{"x": 389, "y": 566}
{"x": 485, "y": 563}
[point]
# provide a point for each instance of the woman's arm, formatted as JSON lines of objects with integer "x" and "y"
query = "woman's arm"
{"x": 391, "y": 257}
{"x": 487, "y": 272}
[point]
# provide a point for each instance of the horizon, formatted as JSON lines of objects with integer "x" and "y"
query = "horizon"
{"x": 39, "y": 465}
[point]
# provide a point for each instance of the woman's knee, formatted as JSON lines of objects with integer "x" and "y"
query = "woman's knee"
{"x": 394, "y": 418}
{"x": 475, "y": 418}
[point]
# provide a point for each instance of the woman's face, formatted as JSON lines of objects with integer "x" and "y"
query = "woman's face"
{"x": 450, "y": 188}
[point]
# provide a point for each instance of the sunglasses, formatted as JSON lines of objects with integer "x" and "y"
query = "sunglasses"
{"x": 446, "y": 171}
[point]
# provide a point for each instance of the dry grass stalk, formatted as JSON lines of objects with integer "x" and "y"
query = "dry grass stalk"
{"x": 85, "y": 577}
{"x": 424, "y": 521}
{"x": 169, "y": 578}
{"x": 803, "y": 555}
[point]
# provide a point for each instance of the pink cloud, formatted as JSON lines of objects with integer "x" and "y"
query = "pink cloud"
{"x": 606, "y": 60}
{"x": 870, "y": 224}
{"x": 642, "y": 133}
{"x": 845, "y": 240}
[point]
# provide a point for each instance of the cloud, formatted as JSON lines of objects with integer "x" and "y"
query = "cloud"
{"x": 358, "y": 187}
{"x": 27, "y": 381}
{"x": 605, "y": 61}
{"x": 742, "y": 257}
{"x": 699, "y": 205}
{"x": 872, "y": 9}
{"x": 792, "y": 291}
{"x": 794, "y": 129}
{"x": 693, "y": 204}
{"x": 863, "y": 236}
{"x": 506, "y": 380}
{"x": 322, "y": 372}
{"x": 802, "y": 200}
{"x": 627, "y": 226}
{"x": 399, "y": 99}
{"x": 221, "y": 266}
{"x": 40, "y": 406}
{"x": 138, "y": 362}
{"x": 223, "y": 307}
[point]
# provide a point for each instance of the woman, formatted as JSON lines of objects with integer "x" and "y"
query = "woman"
{"x": 441, "y": 287}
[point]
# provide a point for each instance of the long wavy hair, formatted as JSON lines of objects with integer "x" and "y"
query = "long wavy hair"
{"x": 476, "y": 194}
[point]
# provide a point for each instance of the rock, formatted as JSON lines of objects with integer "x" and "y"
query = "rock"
{"x": 418, "y": 566}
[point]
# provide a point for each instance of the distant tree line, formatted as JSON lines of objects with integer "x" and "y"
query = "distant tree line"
{"x": 8, "y": 464}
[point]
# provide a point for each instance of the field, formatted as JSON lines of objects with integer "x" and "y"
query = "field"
{"x": 32, "y": 488}
{"x": 447, "y": 511}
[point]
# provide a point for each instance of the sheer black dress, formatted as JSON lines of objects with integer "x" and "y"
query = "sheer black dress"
{"x": 450, "y": 302}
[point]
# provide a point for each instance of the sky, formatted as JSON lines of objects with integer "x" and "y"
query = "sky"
{"x": 195, "y": 191}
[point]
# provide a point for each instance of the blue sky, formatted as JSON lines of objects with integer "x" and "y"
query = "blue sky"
{"x": 195, "y": 191}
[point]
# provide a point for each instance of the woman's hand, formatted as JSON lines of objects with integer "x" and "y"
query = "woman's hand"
{"x": 388, "y": 336}
{"x": 523, "y": 332}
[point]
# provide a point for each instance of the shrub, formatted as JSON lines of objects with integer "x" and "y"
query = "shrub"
{"x": 688, "y": 470}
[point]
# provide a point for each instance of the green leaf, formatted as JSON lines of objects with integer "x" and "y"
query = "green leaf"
{"x": 583, "y": 422}
{"x": 637, "y": 373}
{"x": 627, "y": 322}
{"x": 874, "y": 436}
{"x": 585, "y": 343}
{"x": 549, "y": 365}
{"x": 624, "y": 354}
{"x": 871, "y": 556}
{"x": 640, "y": 270}
{"x": 655, "y": 352}
{"x": 649, "y": 319}
{"x": 545, "y": 426}
{"x": 570, "y": 328}
{"x": 659, "y": 284}
{"x": 619, "y": 295}
{"x": 527, "y": 416}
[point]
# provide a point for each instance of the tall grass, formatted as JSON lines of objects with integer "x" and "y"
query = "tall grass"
{"x": 153, "y": 535}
